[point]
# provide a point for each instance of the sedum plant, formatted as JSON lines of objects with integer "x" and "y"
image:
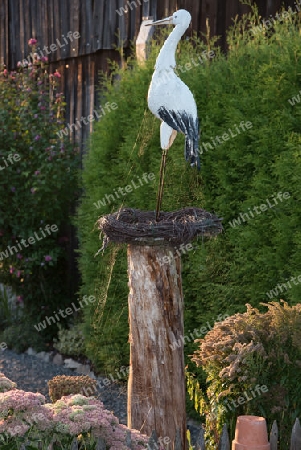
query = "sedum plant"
{"x": 6, "y": 384}
{"x": 26, "y": 419}
{"x": 70, "y": 342}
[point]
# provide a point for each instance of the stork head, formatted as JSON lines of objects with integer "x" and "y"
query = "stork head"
{"x": 180, "y": 17}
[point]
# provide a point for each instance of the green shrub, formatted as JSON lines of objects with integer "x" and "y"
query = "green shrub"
{"x": 252, "y": 362}
{"x": 38, "y": 185}
{"x": 70, "y": 342}
{"x": 22, "y": 335}
{"x": 253, "y": 83}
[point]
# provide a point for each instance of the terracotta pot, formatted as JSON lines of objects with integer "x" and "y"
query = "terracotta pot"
{"x": 251, "y": 434}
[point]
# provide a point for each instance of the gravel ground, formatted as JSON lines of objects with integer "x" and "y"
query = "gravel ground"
{"x": 31, "y": 374}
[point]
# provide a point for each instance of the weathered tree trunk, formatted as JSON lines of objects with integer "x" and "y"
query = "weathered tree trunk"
{"x": 156, "y": 394}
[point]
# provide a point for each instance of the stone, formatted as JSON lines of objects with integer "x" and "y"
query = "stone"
{"x": 44, "y": 356}
{"x": 58, "y": 360}
{"x": 83, "y": 369}
{"x": 71, "y": 364}
{"x": 31, "y": 352}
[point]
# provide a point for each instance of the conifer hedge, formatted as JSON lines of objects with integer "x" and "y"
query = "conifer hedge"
{"x": 250, "y": 176}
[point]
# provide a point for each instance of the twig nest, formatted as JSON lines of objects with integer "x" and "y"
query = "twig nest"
{"x": 133, "y": 226}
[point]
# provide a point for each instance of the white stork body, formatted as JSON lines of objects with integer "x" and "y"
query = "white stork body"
{"x": 169, "y": 98}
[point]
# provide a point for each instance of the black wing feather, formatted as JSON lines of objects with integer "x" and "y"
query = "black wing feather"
{"x": 184, "y": 123}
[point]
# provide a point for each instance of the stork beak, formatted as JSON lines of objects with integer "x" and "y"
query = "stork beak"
{"x": 168, "y": 20}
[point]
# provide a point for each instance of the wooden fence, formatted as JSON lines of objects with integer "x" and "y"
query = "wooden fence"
{"x": 225, "y": 444}
{"x": 102, "y": 27}
{"x": 224, "y": 441}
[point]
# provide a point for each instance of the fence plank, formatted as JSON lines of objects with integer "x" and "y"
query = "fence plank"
{"x": 153, "y": 441}
{"x": 74, "y": 445}
{"x": 178, "y": 440}
{"x": 274, "y": 436}
{"x": 128, "y": 440}
{"x": 224, "y": 443}
{"x": 296, "y": 436}
{"x": 201, "y": 440}
{"x": 101, "y": 445}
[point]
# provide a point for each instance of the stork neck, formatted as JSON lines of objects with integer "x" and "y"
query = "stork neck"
{"x": 167, "y": 55}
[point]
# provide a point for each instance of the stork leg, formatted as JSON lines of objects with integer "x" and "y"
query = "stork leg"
{"x": 161, "y": 183}
{"x": 167, "y": 136}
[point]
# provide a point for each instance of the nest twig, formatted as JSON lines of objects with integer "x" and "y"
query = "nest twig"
{"x": 140, "y": 227}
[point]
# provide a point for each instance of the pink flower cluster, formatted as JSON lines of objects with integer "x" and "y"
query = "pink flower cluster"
{"x": 23, "y": 412}
{"x": 77, "y": 414}
{"x": 20, "y": 411}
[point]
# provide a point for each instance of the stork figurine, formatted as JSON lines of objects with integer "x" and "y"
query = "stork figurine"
{"x": 170, "y": 100}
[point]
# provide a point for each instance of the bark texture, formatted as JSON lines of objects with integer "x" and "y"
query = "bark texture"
{"x": 156, "y": 390}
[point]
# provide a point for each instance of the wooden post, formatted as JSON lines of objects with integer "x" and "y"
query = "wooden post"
{"x": 156, "y": 388}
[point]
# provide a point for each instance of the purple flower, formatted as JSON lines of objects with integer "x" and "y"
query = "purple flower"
{"x": 32, "y": 41}
{"x": 44, "y": 58}
{"x": 13, "y": 189}
{"x": 37, "y": 137}
{"x": 33, "y": 190}
{"x": 35, "y": 116}
{"x": 37, "y": 172}
{"x": 20, "y": 299}
{"x": 19, "y": 256}
{"x": 11, "y": 270}
{"x": 48, "y": 258}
